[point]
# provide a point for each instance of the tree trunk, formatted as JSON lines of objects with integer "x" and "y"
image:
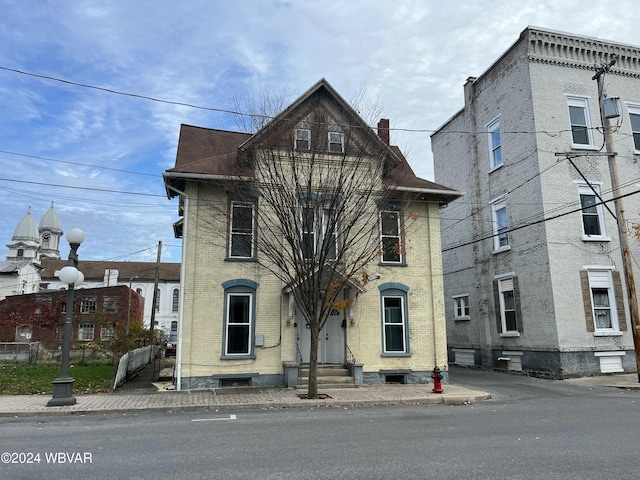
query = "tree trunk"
{"x": 312, "y": 391}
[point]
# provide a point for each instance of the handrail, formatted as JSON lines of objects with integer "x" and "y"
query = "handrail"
{"x": 298, "y": 353}
{"x": 352, "y": 357}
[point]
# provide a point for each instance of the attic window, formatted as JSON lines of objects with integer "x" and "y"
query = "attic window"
{"x": 336, "y": 142}
{"x": 302, "y": 139}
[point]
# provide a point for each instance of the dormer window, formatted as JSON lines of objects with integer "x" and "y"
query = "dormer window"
{"x": 302, "y": 139}
{"x": 336, "y": 142}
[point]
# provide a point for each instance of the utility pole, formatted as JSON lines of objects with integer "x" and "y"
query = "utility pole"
{"x": 619, "y": 207}
{"x": 155, "y": 294}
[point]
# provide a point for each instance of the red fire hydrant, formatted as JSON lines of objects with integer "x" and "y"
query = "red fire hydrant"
{"x": 437, "y": 377}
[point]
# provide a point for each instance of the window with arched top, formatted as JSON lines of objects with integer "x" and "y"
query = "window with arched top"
{"x": 175, "y": 302}
{"x": 239, "y": 318}
{"x": 395, "y": 319}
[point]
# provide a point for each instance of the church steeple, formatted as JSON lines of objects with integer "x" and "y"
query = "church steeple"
{"x": 50, "y": 234}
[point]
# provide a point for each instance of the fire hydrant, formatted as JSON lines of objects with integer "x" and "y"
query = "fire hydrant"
{"x": 437, "y": 377}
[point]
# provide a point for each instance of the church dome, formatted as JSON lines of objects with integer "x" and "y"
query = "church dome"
{"x": 27, "y": 229}
{"x": 50, "y": 221}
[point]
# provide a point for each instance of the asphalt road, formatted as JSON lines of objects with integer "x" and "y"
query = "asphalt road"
{"x": 531, "y": 429}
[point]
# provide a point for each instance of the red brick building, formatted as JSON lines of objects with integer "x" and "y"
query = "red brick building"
{"x": 100, "y": 314}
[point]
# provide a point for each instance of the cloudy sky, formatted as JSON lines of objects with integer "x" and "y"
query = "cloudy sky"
{"x": 93, "y": 92}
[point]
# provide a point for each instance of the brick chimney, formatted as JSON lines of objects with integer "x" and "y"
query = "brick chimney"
{"x": 383, "y": 130}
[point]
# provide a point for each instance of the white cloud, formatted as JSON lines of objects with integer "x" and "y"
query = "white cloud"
{"x": 415, "y": 55}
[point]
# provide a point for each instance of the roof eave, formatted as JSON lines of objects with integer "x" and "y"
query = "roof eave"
{"x": 174, "y": 181}
{"x": 430, "y": 191}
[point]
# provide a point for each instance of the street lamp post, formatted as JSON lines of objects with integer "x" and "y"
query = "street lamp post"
{"x": 69, "y": 274}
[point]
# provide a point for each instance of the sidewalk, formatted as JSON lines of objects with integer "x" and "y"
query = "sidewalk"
{"x": 625, "y": 380}
{"x": 247, "y": 398}
{"x": 140, "y": 397}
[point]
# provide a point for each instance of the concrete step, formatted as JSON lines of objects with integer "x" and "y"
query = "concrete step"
{"x": 329, "y": 376}
{"x": 327, "y": 372}
{"x": 329, "y": 379}
{"x": 326, "y": 386}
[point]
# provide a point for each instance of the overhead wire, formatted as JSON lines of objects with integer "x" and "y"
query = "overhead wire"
{"x": 522, "y": 224}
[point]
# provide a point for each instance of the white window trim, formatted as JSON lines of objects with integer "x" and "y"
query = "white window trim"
{"x": 227, "y": 325}
{"x": 405, "y": 341}
{"x": 491, "y": 127}
{"x": 585, "y": 189}
{"x": 503, "y": 320}
{"x": 581, "y": 101}
{"x": 614, "y": 330}
{"x": 498, "y": 204}
{"x": 633, "y": 109}
{"x": 465, "y": 298}
{"x": 313, "y": 232}
{"x": 296, "y": 138}
{"x": 83, "y": 329}
{"x": 252, "y": 234}
{"x": 107, "y": 333}
{"x": 329, "y": 142}
{"x": 88, "y": 305}
{"x": 327, "y": 214}
{"x": 398, "y": 236}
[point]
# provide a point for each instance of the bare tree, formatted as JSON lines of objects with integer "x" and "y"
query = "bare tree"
{"x": 313, "y": 183}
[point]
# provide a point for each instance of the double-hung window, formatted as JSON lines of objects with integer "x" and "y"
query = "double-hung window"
{"x": 581, "y": 133}
{"x": 308, "y": 232}
{"x": 495, "y": 144}
{"x": 461, "y": 307}
{"x": 593, "y": 226}
{"x": 507, "y": 308}
{"x": 395, "y": 329}
{"x": 302, "y": 139}
{"x": 603, "y": 302}
{"x": 500, "y": 225}
{"x": 319, "y": 232}
{"x": 336, "y": 142}
{"x": 634, "y": 120}
{"x": 242, "y": 230}
{"x": 330, "y": 233}
{"x": 239, "y": 318}
{"x": 390, "y": 236}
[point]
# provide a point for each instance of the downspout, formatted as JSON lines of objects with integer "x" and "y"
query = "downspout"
{"x": 185, "y": 216}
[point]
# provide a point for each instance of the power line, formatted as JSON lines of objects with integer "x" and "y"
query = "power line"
{"x": 83, "y": 188}
{"x": 243, "y": 114}
{"x": 78, "y": 163}
{"x": 126, "y": 94}
{"x": 543, "y": 220}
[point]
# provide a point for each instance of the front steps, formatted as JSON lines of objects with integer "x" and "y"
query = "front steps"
{"x": 329, "y": 376}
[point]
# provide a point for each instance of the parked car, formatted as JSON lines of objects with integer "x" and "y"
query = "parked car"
{"x": 172, "y": 345}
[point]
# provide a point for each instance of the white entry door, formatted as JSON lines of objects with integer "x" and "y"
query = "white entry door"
{"x": 330, "y": 343}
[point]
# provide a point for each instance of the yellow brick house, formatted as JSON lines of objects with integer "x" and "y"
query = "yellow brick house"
{"x": 241, "y": 320}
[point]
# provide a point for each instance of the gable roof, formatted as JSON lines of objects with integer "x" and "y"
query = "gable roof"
{"x": 208, "y": 154}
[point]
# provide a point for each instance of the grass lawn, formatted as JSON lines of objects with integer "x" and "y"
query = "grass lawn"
{"x": 26, "y": 379}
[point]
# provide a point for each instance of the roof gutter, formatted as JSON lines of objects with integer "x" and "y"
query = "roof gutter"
{"x": 432, "y": 191}
{"x": 197, "y": 177}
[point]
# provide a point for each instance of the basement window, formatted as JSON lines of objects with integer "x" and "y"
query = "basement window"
{"x": 235, "y": 382}
{"x": 401, "y": 379}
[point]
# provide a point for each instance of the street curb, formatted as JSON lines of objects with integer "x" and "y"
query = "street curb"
{"x": 451, "y": 400}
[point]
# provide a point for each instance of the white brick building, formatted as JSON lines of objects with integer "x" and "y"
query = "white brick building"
{"x": 533, "y": 272}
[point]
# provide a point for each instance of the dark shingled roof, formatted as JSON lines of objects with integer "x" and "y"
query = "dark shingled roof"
{"x": 216, "y": 155}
